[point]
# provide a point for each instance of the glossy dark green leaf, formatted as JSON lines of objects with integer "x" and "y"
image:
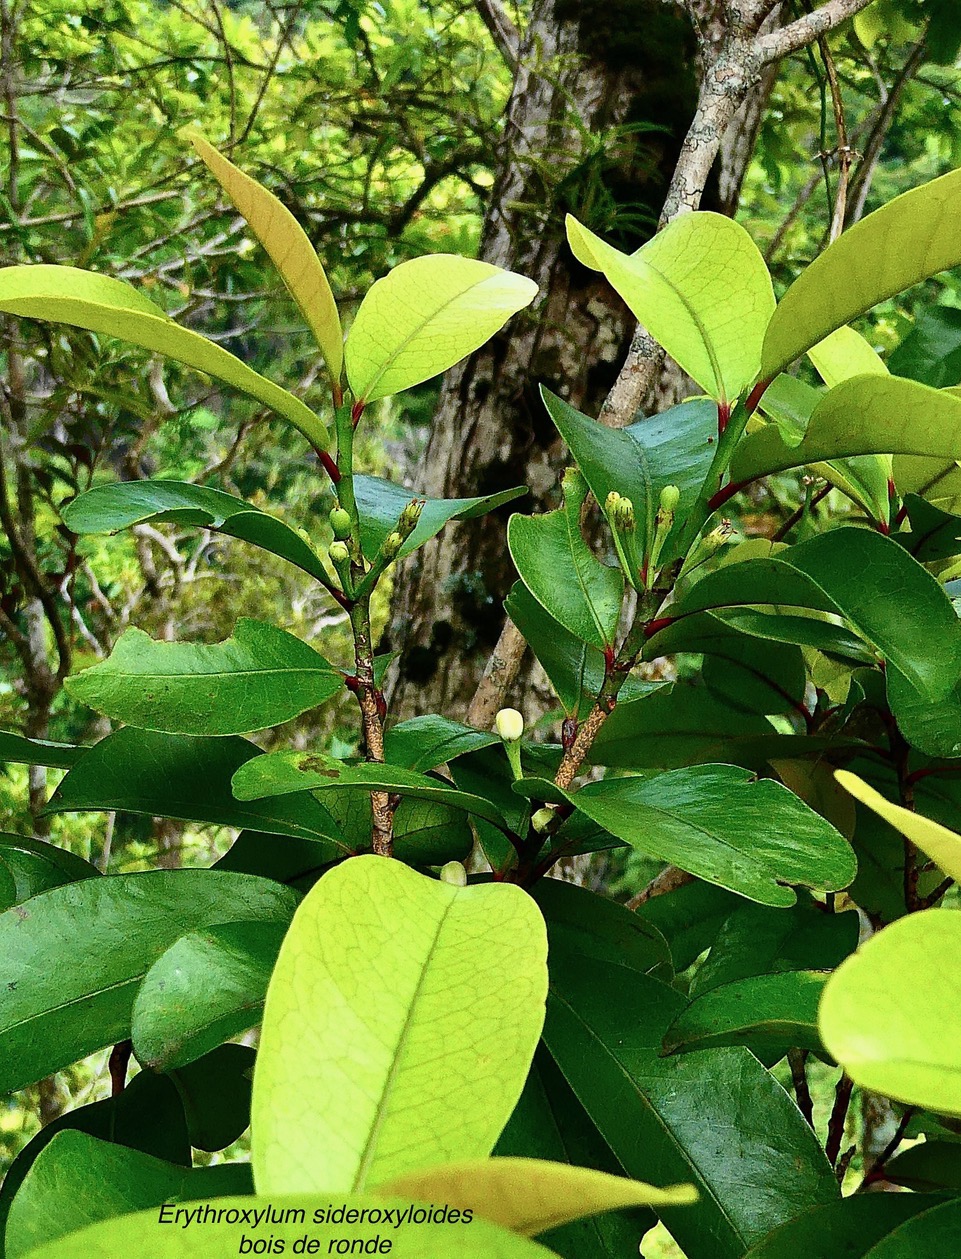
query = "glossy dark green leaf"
{"x": 596, "y": 926}
{"x": 925, "y": 647}
{"x": 690, "y": 917}
{"x": 148, "y": 1116}
{"x": 671, "y": 1119}
{"x": 673, "y": 448}
{"x": 550, "y": 1123}
{"x": 79, "y": 1179}
{"x": 18, "y": 750}
{"x": 215, "y": 1092}
{"x": 208, "y": 986}
{"x": 380, "y": 504}
{"x": 931, "y": 352}
{"x": 575, "y": 668}
{"x": 260, "y": 677}
{"x": 179, "y": 776}
{"x": 805, "y": 631}
{"x": 296, "y": 862}
{"x": 931, "y": 726}
{"x": 110, "y": 508}
{"x": 757, "y": 940}
{"x": 927, "y": 1166}
{"x": 725, "y": 826}
{"x": 426, "y": 832}
{"x": 423, "y": 743}
{"x": 769, "y": 1013}
{"x": 844, "y": 1230}
{"x": 564, "y": 576}
{"x": 57, "y": 1006}
{"x": 279, "y": 773}
{"x": 935, "y": 534}
{"x": 929, "y": 1233}
{"x": 30, "y": 866}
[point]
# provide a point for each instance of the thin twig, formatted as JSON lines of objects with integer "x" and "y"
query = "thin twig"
{"x": 839, "y": 1114}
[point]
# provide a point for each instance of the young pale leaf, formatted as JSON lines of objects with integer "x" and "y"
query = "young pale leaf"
{"x": 184, "y": 777}
{"x": 531, "y": 1195}
{"x": 109, "y": 508}
{"x": 565, "y": 577}
{"x": 260, "y": 677}
{"x": 702, "y": 290}
{"x": 381, "y": 502}
{"x": 400, "y": 1023}
{"x": 59, "y": 1006}
{"x": 769, "y": 1013}
{"x": 208, "y": 986}
{"x": 906, "y": 241}
{"x": 287, "y": 247}
{"x": 288, "y": 1219}
{"x": 864, "y": 415}
{"x": 65, "y": 295}
{"x": 843, "y": 354}
{"x": 666, "y": 1119}
{"x": 940, "y": 844}
{"x": 425, "y": 316}
{"x": 79, "y": 1180}
{"x": 891, "y": 1013}
{"x": 723, "y": 825}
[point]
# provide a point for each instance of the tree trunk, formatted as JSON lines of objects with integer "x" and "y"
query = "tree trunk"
{"x": 590, "y": 76}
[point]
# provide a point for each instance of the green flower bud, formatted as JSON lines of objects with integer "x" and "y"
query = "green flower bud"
{"x": 454, "y": 873}
{"x": 542, "y": 819}
{"x": 409, "y": 517}
{"x": 340, "y": 523}
{"x": 620, "y": 512}
{"x": 392, "y": 544}
{"x": 338, "y": 552}
{"x": 721, "y": 536}
{"x": 509, "y": 724}
{"x": 670, "y": 497}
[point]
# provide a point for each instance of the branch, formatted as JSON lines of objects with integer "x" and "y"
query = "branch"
{"x": 505, "y": 34}
{"x": 805, "y": 30}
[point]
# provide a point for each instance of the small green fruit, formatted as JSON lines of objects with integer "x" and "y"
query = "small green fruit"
{"x": 338, "y": 552}
{"x": 340, "y": 523}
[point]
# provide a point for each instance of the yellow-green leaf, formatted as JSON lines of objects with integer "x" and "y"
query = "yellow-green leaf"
{"x": 531, "y": 1195}
{"x": 843, "y": 354}
{"x": 702, "y": 290}
{"x": 288, "y": 1218}
{"x": 425, "y": 316}
{"x": 67, "y": 295}
{"x": 891, "y": 1013}
{"x": 399, "y": 1026}
{"x": 940, "y": 844}
{"x": 287, "y": 246}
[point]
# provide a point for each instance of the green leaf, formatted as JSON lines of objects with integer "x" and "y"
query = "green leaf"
{"x": 278, "y": 773}
{"x": 929, "y": 1165}
{"x": 668, "y": 1119}
{"x": 208, "y": 986}
{"x": 932, "y": 1232}
{"x": 425, "y": 316}
{"x": 65, "y": 295}
{"x": 562, "y": 573}
{"x": 295, "y": 1218}
{"x": 381, "y": 502}
{"x": 32, "y": 866}
{"x": 672, "y": 448}
{"x": 530, "y": 1195}
{"x": 849, "y": 1228}
{"x": 61, "y": 1005}
{"x": 438, "y": 992}
{"x": 598, "y": 927}
{"x": 906, "y": 241}
{"x": 215, "y": 1093}
{"x": 426, "y": 832}
{"x": 896, "y": 1038}
{"x": 845, "y": 353}
{"x": 702, "y": 290}
{"x": 179, "y": 776}
{"x": 260, "y": 677}
{"x": 757, "y": 940}
{"x": 423, "y": 743}
{"x": 720, "y": 823}
{"x": 769, "y": 1013}
{"x": 940, "y": 844}
{"x": 690, "y": 917}
{"x": 780, "y": 627}
{"x": 817, "y": 574}
{"x": 862, "y": 416}
{"x": 79, "y": 1180}
{"x": 18, "y": 750}
{"x": 109, "y": 508}
{"x": 288, "y": 248}
{"x": 935, "y": 534}
{"x": 931, "y": 352}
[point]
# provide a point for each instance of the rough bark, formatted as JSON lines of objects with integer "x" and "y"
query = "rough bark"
{"x": 582, "y": 69}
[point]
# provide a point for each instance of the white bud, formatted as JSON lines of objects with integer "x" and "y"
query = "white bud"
{"x": 454, "y": 873}
{"x": 509, "y": 724}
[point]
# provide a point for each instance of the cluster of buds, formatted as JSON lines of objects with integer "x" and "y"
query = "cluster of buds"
{"x": 405, "y": 527}
{"x": 620, "y": 512}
